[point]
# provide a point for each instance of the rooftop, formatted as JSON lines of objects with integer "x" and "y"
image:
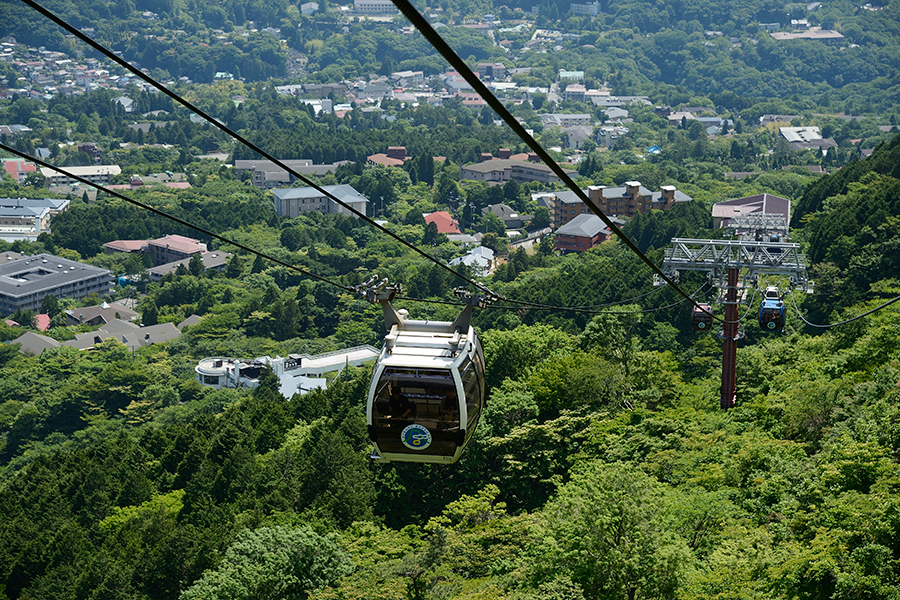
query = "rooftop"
{"x": 41, "y": 272}
{"x": 587, "y": 225}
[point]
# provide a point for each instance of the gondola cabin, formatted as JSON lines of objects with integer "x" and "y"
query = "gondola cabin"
{"x": 701, "y": 318}
{"x": 427, "y": 389}
{"x": 771, "y": 311}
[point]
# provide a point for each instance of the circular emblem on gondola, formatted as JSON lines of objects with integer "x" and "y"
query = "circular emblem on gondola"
{"x": 415, "y": 437}
{"x": 771, "y": 324}
{"x": 701, "y": 325}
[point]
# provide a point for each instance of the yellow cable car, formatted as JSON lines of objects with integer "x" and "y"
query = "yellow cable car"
{"x": 427, "y": 388}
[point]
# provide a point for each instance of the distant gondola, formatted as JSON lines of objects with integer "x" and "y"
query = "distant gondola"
{"x": 427, "y": 389}
{"x": 771, "y": 311}
{"x": 701, "y": 318}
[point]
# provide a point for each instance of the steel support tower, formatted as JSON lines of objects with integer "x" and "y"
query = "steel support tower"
{"x": 732, "y": 264}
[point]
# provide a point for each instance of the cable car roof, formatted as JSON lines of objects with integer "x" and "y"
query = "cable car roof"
{"x": 418, "y": 361}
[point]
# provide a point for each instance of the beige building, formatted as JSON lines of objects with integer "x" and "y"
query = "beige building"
{"x": 293, "y": 202}
{"x": 100, "y": 174}
{"x": 502, "y": 170}
{"x": 626, "y": 201}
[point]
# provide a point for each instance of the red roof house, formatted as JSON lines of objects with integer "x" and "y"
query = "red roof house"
{"x": 445, "y": 223}
{"x": 42, "y": 322}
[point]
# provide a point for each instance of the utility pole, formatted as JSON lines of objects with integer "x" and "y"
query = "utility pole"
{"x": 733, "y": 265}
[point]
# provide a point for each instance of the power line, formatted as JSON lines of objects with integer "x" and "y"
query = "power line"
{"x": 865, "y": 314}
{"x": 179, "y": 220}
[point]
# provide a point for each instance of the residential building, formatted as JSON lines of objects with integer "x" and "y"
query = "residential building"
{"x": 17, "y": 168}
{"x": 810, "y": 34}
{"x": 91, "y": 149}
{"x": 606, "y": 101}
{"x": 633, "y": 198}
{"x": 577, "y": 75}
{"x": 101, "y": 314}
{"x": 769, "y": 204}
{"x": 779, "y": 119}
{"x": 582, "y": 233}
{"x": 127, "y": 333}
{"x": 681, "y": 116}
{"x": 26, "y": 281}
{"x": 491, "y": 71}
{"x": 14, "y": 129}
{"x": 125, "y": 246}
{"x": 394, "y": 157}
{"x": 26, "y": 218}
{"x": 170, "y": 248}
{"x": 266, "y": 174}
{"x": 444, "y": 220}
{"x": 377, "y": 88}
{"x": 800, "y": 134}
{"x": 293, "y": 202}
{"x": 502, "y": 170}
{"x": 126, "y": 102}
{"x": 374, "y": 6}
{"x": 714, "y": 125}
{"x": 565, "y": 120}
{"x": 801, "y": 138}
{"x": 626, "y": 201}
{"x": 614, "y": 113}
{"x": 405, "y": 79}
{"x": 323, "y": 90}
{"x": 480, "y": 260}
{"x": 592, "y": 9}
{"x": 511, "y": 219}
{"x": 576, "y": 136}
{"x": 33, "y": 344}
{"x": 608, "y": 135}
{"x": 574, "y": 93}
{"x": 212, "y": 261}
{"x": 472, "y": 100}
{"x": 100, "y": 174}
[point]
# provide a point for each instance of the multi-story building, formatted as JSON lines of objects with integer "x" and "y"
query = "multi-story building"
{"x": 100, "y": 174}
{"x": 592, "y": 9}
{"x": 574, "y": 93}
{"x": 293, "y": 202}
{"x": 26, "y": 218}
{"x": 18, "y": 168}
{"x": 626, "y": 201}
{"x": 266, "y": 174}
{"x": 374, "y": 6}
{"x": 565, "y": 120}
{"x": 26, "y": 281}
{"x": 171, "y": 248}
{"x": 502, "y": 170}
{"x": 491, "y": 71}
{"x": 582, "y": 233}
